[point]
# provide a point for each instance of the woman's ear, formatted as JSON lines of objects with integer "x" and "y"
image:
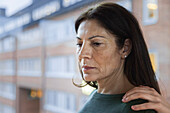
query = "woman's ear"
{"x": 126, "y": 48}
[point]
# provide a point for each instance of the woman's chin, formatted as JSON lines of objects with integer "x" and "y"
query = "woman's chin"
{"x": 89, "y": 78}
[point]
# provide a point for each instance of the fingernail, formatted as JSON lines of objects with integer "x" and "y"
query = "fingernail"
{"x": 124, "y": 99}
{"x": 133, "y": 107}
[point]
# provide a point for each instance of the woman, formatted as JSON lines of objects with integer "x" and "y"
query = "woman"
{"x": 113, "y": 58}
{"x": 156, "y": 101}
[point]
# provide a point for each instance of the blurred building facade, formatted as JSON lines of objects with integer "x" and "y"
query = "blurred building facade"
{"x": 38, "y": 53}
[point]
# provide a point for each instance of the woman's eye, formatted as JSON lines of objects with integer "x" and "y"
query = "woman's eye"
{"x": 79, "y": 44}
{"x": 97, "y": 44}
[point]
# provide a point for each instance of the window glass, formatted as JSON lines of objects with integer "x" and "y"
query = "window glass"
{"x": 58, "y": 31}
{"x": 30, "y": 38}
{"x": 8, "y": 90}
{"x": 7, "y": 44}
{"x": 150, "y": 12}
{"x": 57, "y": 101}
{"x": 7, "y": 67}
{"x": 60, "y": 66}
{"x": 126, "y": 4}
{"x": 29, "y": 67}
{"x": 1, "y": 46}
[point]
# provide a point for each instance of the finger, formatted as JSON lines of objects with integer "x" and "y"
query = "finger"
{"x": 136, "y": 89}
{"x": 145, "y": 96}
{"x": 150, "y": 89}
{"x": 146, "y": 106}
{"x": 143, "y": 89}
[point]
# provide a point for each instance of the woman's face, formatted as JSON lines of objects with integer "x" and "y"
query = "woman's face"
{"x": 97, "y": 51}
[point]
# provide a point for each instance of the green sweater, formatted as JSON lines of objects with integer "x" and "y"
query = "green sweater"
{"x": 106, "y": 103}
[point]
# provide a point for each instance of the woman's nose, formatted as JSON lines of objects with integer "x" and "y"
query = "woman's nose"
{"x": 85, "y": 52}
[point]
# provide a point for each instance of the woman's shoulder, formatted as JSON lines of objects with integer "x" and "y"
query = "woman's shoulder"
{"x": 127, "y": 107}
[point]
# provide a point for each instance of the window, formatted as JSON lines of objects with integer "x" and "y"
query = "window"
{"x": 6, "y": 108}
{"x": 154, "y": 60}
{"x": 1, "y": 67}
{"x": 69, "y": 27}
{"x": 51, "y": 97}
{"x": 83, "y": 100}
{"x": 126, "y": 4}
{"x": 67, "y": 3}
{"x": 46, "y": 10}
{"x": 60, "y": 66}
{"x": 150, "y": 12}
{"x": 1, "y": 46}
{"x": 50, "y": 29}
{"x": 9, "y": 44}
{"x": 29, "y": 67}
{"x": 1, "y": 108}
{"x": 60, "y": 102}
{"x": 1, "y": 88}
{"x": 58, "y": 31}
{"x": 8, "y": 90}
{"x": 29, "y": 39}
{"x": 7, "y": 67}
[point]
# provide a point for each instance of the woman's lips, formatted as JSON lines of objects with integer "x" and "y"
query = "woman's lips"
{"x": 85, "y": 68}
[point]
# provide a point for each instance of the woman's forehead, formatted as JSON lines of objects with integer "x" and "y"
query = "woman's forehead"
{"x": 91, "y": 28}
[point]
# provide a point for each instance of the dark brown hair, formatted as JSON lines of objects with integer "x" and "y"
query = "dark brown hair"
{"x": 122, "y": 24}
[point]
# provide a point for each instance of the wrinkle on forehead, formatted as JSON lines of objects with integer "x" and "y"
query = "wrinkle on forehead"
{"x": 90, "y": 28}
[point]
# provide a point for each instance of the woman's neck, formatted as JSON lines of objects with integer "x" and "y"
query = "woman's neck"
{"x": 114, "y": 84}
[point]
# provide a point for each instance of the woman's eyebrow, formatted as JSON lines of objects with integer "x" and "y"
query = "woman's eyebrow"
{"x": 96, "y": 36}
{"x": 78, "y": 38}
{"x": 92, "y": 37}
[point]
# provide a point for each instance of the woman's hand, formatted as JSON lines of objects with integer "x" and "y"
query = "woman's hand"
{"x": 156, "y": 101}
